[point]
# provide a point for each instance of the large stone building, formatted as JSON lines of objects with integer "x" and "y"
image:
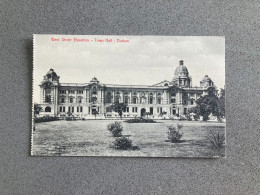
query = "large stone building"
{"x": 85, "y": 99}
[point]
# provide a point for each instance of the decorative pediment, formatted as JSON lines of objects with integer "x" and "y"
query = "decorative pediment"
{"x": 47, "y": 84}
{"x": 164, "y": 83}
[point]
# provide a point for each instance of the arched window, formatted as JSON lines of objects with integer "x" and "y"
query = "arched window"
{"x": 62, "y": 100}
{"x": 126, "y": 97}
{"x": 48, "y": 94}
{"x": 134, "y": 100}
{"x": 80, "y": 100}
{"x": 109, "y": 97}
{"x": 71, "y": 100}
{"x": 151, "y": 100}
{"x": 48, "y": 109}
{"x": 117, "y": 99}
{"x": 159, "y": 101}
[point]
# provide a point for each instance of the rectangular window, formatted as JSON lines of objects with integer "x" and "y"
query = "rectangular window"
{"x": 127, "y": 109}
{"x": 72, "y": 91}
{"x": 151, "y": 110}
{"x": 60, "y": 109}
{"x": 77, "y": 109}
{"x": 81, "y": 109}
{"x": 160, "y": 110}
{"x": 63, "y": 108}
{"x": 69, "y": 109}
{"x": 72, "y": 109}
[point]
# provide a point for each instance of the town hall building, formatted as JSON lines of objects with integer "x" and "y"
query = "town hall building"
{"x": 84, "y": 100}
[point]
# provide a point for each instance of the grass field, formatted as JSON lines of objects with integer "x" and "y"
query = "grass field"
{"x": 91, "y": 138}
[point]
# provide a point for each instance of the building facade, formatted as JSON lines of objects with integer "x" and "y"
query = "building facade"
{"x": 166, "y": 98}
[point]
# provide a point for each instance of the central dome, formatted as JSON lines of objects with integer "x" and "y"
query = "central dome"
{"x": 181, "y": 70}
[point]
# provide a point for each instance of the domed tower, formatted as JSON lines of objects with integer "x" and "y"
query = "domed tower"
{"x": 181, "y": 76}
{"x": 51, "y": 76}
{"x": 49, "y": 92}
{"x": 206, "y": 82}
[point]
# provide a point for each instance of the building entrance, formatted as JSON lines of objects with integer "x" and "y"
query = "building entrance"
{"x": 143, "y": 111}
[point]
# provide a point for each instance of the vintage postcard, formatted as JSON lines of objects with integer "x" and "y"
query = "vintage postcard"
{"x": 139, "y": 96}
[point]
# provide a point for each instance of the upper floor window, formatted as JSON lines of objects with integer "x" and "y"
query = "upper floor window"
{"x": 117, "y": 99}
{"x": 173, "y": 101}
{"x": 80, "y": 92}
{"x": 62, "y": 100}
{"x": 159, "y": 100}
{"x": 72, "y": 91}
{"x": 71, "y": 100}
{"x": 151, "y": 100}
{"x": 48, "y": 98}
{"x": 134, "y": 100}
{"x": 62, "y": 91}
{"x": 80, "y": 100}
{"x": 109, "y": 97}
{"x": 126, "y": 99}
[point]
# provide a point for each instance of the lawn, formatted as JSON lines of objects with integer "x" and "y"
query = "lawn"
{"x": 91, "y": 138}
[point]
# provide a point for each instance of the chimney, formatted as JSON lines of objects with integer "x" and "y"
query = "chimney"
{"x": 181, "y": 62}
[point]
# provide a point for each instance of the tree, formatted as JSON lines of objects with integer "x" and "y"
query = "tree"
{"x": 69, "y": 114}
{"x": 37, "y": 109}
{"x": 209, "y": 104}
{"x": 118, "y": 107}
{"x": 222, "y": 102}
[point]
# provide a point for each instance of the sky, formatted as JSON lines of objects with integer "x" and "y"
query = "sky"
{"x": 143, "y": 60}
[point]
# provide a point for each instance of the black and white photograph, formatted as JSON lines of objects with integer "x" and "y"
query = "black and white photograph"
{"x": 131, "y": 96}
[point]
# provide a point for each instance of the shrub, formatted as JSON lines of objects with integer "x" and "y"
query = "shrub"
{"x": 174, "y": 134}
{"x": 140, "y": 120}
{"x": 115, "y": 128}
{"x": 123, "y": 143}
{"x": 68, "y": 118}
{"x": 216, "y": 141}
{"x": 83, "y": 119}
{"x": 45, "y": 119}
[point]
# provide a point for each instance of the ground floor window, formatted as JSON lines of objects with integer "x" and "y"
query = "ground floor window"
{"x": 173, "y": 111}
{"x": 134, "y": 109}
{"x": 48, "y": 109}
{"x": 185, "y": 110}
{"x": 151, "y": 110}
{"x": 62, "y": 108}
{"x": 159, "y": 110}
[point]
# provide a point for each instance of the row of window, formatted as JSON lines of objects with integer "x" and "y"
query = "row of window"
{"x": 71, "y": 91}
{"x": 71, "y": 109}
{"x": 71, "y": 100}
